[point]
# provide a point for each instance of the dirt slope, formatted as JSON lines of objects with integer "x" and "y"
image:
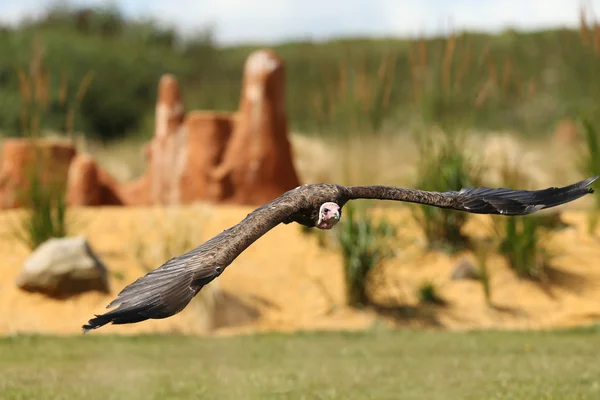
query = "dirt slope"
{"x": 285, "y": 281}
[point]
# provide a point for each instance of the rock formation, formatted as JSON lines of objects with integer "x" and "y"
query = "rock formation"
{"x": 258, "y": 162}
{"x": 241, "y": 158}
{"x": 20, "y": 157}
{"x": 90, "y": 185}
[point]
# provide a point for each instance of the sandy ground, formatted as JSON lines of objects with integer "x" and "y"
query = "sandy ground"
{"x": 286, "y": 282}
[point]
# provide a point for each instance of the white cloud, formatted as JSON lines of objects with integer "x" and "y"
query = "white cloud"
{"x": 273, "y": 20}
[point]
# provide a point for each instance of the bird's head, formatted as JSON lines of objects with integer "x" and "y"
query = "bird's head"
{"x": 329, "y": 215}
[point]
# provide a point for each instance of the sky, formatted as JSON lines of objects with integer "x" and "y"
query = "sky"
{"x": 270, "y": 21}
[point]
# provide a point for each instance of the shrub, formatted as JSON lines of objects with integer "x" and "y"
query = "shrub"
{"x": 520, "y": 244}
{"x": 363, "y": 244}
{"x": 428, "y": 294}
{"x": 444, "y": 166}
{"x": 519, "y": 238}
{"x": 589, "y": 165}
{"x": 481, "y": 252}
{"x": 45, "y": 214}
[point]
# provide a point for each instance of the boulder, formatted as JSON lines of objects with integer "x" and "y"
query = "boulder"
{"x": 63, "y": 267}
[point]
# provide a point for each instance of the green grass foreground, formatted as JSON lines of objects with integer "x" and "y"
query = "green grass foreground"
{"x": 371, "y": 365}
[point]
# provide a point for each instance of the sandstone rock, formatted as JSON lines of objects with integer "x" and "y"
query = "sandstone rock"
{"x": 83, "y": 184}
{"x": 242, "y": 158}
{"x": 169, "y": 106}
{"x": 137, "y": 192}
{"x": 207, "y": 136}
{"x": 18, "y": 156}
{"x": 90, "y": 185}
{"x": 63, "y": 267}
{"x": 180, "y": 162}
{"x": 258, "y": 161}
{"x": 110, "y": 193}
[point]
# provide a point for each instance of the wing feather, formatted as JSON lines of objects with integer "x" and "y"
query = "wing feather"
{"x": 479, "y": 200}
{"x": 168, "y": 289}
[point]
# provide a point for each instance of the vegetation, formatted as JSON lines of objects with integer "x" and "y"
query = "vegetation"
{"x": 364, "y": 244}
{"x": 444, "y": 165}
{"x": 45, "y": 214}
{"x": 589, "y": 164}
{"x": 525, "y": 81}
{"x": 520, "y": 243}
{"x": 377, "y": 364}
{"x": 428, "y": 294}
{"x": 482, "y": 252}
{"x": 520, "y": 238}
{"x": 44, "y": 195}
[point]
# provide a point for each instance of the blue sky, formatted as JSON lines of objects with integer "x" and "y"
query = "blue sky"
{"x": 237, "y": 21}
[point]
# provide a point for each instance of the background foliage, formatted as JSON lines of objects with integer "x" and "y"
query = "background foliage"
{"x": 524, "y": 81}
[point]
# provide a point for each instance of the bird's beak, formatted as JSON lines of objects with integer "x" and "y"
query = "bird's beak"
{"x": 336, "y": 215}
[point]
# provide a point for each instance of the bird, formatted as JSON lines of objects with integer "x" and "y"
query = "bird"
{"x": 167, "y": 290}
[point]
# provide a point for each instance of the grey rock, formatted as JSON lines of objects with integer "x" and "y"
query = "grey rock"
{"x": 63, "y": 267}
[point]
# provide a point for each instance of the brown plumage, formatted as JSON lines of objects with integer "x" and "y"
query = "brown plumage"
{"x": 168, "y": 289}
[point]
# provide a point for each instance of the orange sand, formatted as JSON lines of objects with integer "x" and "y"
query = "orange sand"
{"x": 286, "y": 282}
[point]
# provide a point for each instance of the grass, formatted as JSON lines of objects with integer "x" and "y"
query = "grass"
{"x": 363, "y": 245}
{"x": 520, "y": 243}
{"x": 44, "y": 192}
{"x": 428, "y": 294}
{"x": 379, "y": 364}
{"x": 524, "y": 81}
{"x": 46, "y": 213}
{"x": 482, "y": 253}
{"x": 589, "y": 165}
{"x": 444, "y": 165}
{"x": 520, "y": 239}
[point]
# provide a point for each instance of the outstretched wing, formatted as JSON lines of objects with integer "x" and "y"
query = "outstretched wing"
{"x": 480, "y": 200}
{"x": 168, "y": 289}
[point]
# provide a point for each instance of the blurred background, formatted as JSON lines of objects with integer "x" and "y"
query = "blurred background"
{"x": 128, "y": 129}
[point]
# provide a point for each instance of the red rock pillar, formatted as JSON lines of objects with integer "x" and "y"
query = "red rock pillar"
{"x": 258, "y": 161}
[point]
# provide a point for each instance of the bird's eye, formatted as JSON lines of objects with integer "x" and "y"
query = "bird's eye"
{"x": 326, "y": 210}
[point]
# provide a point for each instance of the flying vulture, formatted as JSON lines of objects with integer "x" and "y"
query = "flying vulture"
{"x": 168, "y": 289}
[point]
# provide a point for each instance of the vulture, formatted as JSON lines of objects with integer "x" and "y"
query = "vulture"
{"x": 168, "y": 289}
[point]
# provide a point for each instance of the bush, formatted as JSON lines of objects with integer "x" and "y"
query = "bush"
{"x": 520, "y": 245}
{"x": 589, "y": 165}
{"x": 428, "y": 294}
{"x": 444, "y": 166}
{"x": 519, "y": 238}
{"x": 45, "y": 214}
{"x": 363, "y": 244}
